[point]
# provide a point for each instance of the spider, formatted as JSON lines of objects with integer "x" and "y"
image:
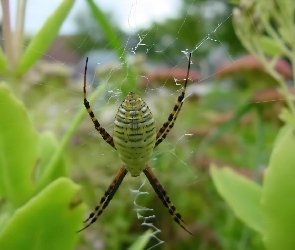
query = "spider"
{"x": 135, "y": 137}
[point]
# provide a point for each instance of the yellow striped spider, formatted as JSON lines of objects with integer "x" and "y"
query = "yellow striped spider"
{"x": 135, "y": 137}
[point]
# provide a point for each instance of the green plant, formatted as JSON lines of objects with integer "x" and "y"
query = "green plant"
{"x": 38, "y": 200}
{"x": 265, "y": 28}
{"x": 40, "y": 213}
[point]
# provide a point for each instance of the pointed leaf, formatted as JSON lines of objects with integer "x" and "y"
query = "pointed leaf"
{"x": 3, "y": 66}
{"x": 48, "y": 221}
{"x": 278, "y": 202}
{"x": 142, "y": 241}
{"x": 270, "y": 47}
{"x": 48, "y": 145}
{"x": 18, "y": 149}
{"x": 42, "y": 40}
{"x": 241, "y": 194}
{"x": 113, "y": 38}
{"x": 52, "y": 164}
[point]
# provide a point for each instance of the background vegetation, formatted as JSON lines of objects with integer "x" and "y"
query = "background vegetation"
{"x": 244, "y": 120}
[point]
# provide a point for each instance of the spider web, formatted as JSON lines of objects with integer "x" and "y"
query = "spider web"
{"x": 105, "y": 106}
{"x": 139, "y": 209}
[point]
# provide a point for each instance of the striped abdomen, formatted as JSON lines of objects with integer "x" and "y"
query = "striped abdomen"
{"x": 134, "y": 133}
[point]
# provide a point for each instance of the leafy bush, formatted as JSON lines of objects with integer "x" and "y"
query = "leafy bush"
{"x": 265, "y": 28}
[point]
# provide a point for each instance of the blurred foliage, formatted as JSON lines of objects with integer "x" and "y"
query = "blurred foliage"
{"x": 265, "y": 29}
{"x": 230, "y": 125}
{"x": 195, "y": 18}
{"x": 34, "y": 188}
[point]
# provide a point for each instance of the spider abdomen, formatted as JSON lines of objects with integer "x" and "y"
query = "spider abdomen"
{"x": 134, "y": 133}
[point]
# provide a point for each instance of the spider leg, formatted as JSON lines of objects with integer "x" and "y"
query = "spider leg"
{"x": 164, "y": 197}
{"x": 108, "y": 195}
{"x": 105, "y": 135}
{"x": 167, "y": 126}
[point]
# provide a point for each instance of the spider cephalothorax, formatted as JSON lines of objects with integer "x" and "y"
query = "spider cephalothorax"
{"x": 135, "y": 137}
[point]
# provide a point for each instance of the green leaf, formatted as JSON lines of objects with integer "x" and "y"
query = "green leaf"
{"x": 269, "y": 46}
{"x": 235, "y": 2}
{"x": 286, "y": 35}
{"x": 278, "y": 202}
{"x": 18, "y": 149}
{"x": 48, "y": 146}
{"x": 42, "y": 40}
{"x": 287, "y": 116}
{"x": 142, "y": 241}
{"x": 112, "y": 36}
{"x": 48, "y": 221}
{"x": 52, "y": 164}
{"x": 3, "y": 66}
{"x": 241, "y": 194}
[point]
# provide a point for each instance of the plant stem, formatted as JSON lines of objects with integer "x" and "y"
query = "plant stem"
{"x": 7, "y": 36}
{"x": 19, "y": 29}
